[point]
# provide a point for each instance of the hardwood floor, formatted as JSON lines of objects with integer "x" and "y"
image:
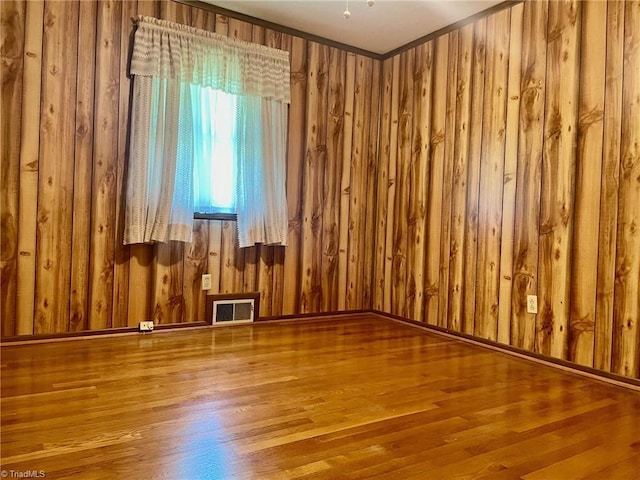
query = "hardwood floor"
{"x": 343, "y": 398}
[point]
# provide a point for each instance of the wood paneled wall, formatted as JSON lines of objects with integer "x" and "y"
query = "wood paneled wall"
{"x": 445, "y": 185}
{"x": 65, "y": 118}
{"x": 510, "y": 166}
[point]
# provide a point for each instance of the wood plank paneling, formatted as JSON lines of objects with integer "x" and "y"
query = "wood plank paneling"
{"x": 390, "y": 151}
{"x": 195, "y": 265}
{"x": 459, "y": 177}
{"x": 549, "y": 202}
{"x": 357, "y": 193}
{"x": 213, "y": 261}
{"x": 12, "y": 44}
{"x": 29, "y": 159}
{"x": 492, "y": 175}
{"x": 82, "y": 179}
{"x": 104, "y": 172}
{"x": 609, "y": 186}
{"x": 122, "y": 252}
{"x": 384, "y": 178}
{"x": 510, "y": 175}
{"x": 530, "y": 149}
{"x": 403, "y": 298}
{"x": 436, "y": 169}
{"x": 332, "y": 180}
{"x": 295, "y": 166}
{"x": 587, "y": 184}
{"x": 419, "y": 177}
{"x": 626, "y": 307}
{"x": 345, "y": 180}
{"x": 447, "y": 179}
{"x": 558, "y": 172}
{"x": 265, "y": 280}
{"x": 313, "y": 182}
{"x": 370, "y": 169}
{"x": 473, "y": 178}
{"x": 382, "y": 186}
{"x": 55, "y": 182}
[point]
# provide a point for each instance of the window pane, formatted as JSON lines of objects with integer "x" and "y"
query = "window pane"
{"x": 214, "y": 140}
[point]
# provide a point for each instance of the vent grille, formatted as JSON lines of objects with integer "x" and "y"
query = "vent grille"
{"x": 233, "y": 311}
{"x": 227, "y": 308}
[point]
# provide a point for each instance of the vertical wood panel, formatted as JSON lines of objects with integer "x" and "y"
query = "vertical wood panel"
{"x": 12, "y": 43}
{"x": 447, "y": 188}
{"x": 238, "y": 260}
{"x": 278, "y": 281}
{"x": 473, "y": 177}
{"x": 122, "y": 252}
{"x": 168, "y": 267}
{"x": 55, "y": 186}
{"x": 265, "y": 279}
{"x": 80, "y": 262}
{"x": 556, "y": 213}
{"x": 392, "y": 147}
{"x": 436, "y": 167}
{"x": 530, "y": 150}
{"x": 195, "y": 265}
{"x": 103, "y": 212}
{"x": 419, "y": 177}
{"x": 492, "y": 175}
{"x": 510, "y": 175}
{"x": 609, "y": 186}
{"x": 142, "y": 293}
{"x": 228, "y": 251}
{"x": 332, "y": 180}
{"x": 295, "y": 166}
{"x": 626, "y": 308}
{"x": 459, "y": 178}
{"x": 584, "y": 267}
{"x": 313, "y": 186}
{"x": 29, "y": 151}
{"x": 373, "y": 120}
{"x": 402, "y": 299}
{"x": 357, "y": 194}
{"x": 214, "y": 266}
{"x": 249, "y": 278}
{"x": 383, "y": 185}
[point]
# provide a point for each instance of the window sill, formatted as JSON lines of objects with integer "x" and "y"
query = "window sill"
{"x": 216, "y": 216}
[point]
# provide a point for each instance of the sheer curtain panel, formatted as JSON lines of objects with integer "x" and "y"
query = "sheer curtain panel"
{"x": 172, "y": 65}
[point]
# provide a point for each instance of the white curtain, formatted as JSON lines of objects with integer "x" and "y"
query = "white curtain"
{"x": 168, "y": 61}
{"x": 261, "y": 184}
{"x": 159, "y": 205}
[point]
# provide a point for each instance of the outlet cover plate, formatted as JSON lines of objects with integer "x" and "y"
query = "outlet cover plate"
{"x": 532, "y": 304}
{"x": 206, "y": 281}
{"x": 146, "y": 326}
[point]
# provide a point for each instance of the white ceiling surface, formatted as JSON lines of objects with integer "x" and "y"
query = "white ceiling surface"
{"x": 385, "y": 26}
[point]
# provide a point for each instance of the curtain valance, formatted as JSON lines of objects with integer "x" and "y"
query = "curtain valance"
{"x": 169, "y": 50}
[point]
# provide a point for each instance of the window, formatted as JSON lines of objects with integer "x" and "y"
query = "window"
{"x": 208, "y": 133}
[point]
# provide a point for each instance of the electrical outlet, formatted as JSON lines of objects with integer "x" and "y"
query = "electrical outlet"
{"x": 146, "y": 326}
{"x": 532, "y": 304}
{"x": 206, "y": 281}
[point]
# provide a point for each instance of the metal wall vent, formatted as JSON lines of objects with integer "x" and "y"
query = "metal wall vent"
{"x": 232, "y": 311}
{"x": 232, "y": 308}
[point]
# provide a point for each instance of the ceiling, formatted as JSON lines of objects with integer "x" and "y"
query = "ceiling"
{"x": 387, "y": 25}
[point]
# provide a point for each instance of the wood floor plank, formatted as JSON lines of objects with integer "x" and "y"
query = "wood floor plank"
{"x": 356, "y": 397}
